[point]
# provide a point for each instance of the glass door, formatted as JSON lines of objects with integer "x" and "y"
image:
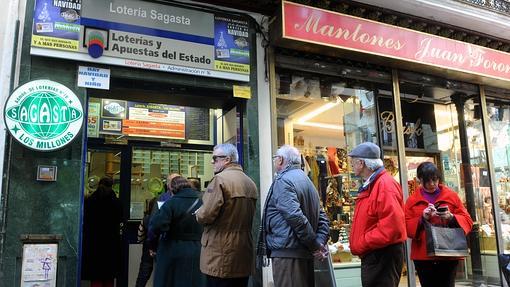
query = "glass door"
{"x": 104, "y": 162}
{"x": 149, "y": 168}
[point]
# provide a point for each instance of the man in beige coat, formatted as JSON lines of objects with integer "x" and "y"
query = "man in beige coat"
{"x": 227, "y": 257}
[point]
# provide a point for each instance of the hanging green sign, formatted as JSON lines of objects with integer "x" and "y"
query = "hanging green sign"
{"x": 43, "y": 115}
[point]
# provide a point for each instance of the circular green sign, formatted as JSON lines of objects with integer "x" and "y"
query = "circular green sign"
{"x": 43, "y": 115}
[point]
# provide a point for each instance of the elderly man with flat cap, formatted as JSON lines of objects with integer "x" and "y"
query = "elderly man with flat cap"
{"x": 378, "y": 229}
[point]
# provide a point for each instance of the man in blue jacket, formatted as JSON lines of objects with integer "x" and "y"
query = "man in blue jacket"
{"x": 295, "y": 229}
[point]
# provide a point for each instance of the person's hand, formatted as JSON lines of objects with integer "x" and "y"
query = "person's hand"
{"x": 429, "y": 211}
{"x": 152, "y": 253}
{"x": 445, "y": 215}
{"x": 321, "y": 253}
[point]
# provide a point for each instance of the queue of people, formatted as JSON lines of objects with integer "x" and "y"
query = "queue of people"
{"x": 206, "y": 240}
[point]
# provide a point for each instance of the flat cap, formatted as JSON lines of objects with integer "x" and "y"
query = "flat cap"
{"x": 366, "y": 150}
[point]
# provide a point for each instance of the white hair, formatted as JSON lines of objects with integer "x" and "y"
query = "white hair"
{"x": 289, "y": 154}
{"x": 229, "y": 150}
{"x": 372, "y": 163}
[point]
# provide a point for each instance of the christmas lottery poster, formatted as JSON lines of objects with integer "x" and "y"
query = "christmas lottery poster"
{"x": 231, "y": 44}
{"x": 57, "y": 24}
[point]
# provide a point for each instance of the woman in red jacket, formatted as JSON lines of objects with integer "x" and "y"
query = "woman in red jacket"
{"x": 422, "y": 206}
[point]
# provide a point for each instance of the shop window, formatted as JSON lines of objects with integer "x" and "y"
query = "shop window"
{"x": 442, "y": 123}
{"x": 498, "y": 111}
{"x": 325, "y": 110}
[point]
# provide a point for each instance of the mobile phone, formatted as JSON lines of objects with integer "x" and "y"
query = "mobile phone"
{"x": 442, "y": 209}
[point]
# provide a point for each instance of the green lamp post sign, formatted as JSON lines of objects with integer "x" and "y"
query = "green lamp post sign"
{"x": 43, "y": 115}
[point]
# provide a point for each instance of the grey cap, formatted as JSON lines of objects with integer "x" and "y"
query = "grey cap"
{"x": 366, "y": 150}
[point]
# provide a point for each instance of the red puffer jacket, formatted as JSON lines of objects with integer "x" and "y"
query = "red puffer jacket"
{"x": 378, "y": 217}
{"x": 415, "y": 205}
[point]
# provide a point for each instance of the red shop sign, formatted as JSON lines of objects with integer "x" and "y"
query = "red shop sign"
{"x": 334, "y": 29}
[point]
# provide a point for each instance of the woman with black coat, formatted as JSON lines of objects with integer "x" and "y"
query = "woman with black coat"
{"x": 101, "y": 236}
{"x": 178, "y": 253}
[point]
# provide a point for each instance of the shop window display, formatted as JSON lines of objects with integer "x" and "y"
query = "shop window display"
{"x": 325, "y": 110}
{"x": 498, "y": 110}
{"x": 442, "y": 124}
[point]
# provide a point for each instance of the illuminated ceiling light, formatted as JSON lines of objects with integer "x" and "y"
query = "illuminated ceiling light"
{"x": 320, "y": 125}
{"x": 317, "y": 112}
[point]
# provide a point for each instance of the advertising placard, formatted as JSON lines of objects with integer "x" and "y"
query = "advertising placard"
{"x": 39, "y": 265}
{"x": 155, "y": 120}
{"x": 43, "y": 115}
{"x": 94, "y": 78}
{"x": 144, "y": 35}
{"x": 93, "y": 120}
{"x": 118, "y": 119}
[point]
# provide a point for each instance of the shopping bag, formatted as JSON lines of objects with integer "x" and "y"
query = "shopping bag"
{"x": 324, "y": 272}
{"x": 504, "y": 261}
{"x": 445, "y": 241}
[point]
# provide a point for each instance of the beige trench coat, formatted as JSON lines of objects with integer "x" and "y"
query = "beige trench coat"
{"x": 227, "y": 215}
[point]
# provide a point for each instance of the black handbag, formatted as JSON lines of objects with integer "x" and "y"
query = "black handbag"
{"x": 445, "y": 241}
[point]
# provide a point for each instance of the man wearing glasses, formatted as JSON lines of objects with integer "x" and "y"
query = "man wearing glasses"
{"x": 378, "y": 229}
{"x": 227, "y": 215}
{"x": 295, "y": 229}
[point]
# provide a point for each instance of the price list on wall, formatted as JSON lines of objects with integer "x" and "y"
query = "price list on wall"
{"x": 197, "y": 124}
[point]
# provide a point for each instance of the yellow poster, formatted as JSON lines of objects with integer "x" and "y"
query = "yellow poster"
{"x": 55, "y": 43}
{"x": 232, "y": 67}
{"x": 242, "y": 92}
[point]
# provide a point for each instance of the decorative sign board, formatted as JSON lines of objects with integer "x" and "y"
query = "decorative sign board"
{"x": 144, "y": 35}
{"x": 43, "y": 115}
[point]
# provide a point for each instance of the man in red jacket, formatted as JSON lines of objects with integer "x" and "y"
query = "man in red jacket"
{"x": 378, "y": 229}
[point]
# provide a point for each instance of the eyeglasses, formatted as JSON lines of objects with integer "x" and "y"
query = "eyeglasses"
{"x": 216, "y": 157}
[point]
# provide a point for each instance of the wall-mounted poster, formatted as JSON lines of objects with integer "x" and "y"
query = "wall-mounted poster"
{"x": 93, "y": 119}
{"x": 39, "y": 265}
{"x": 57, "y": 24}
{"x": 126, "y": 119}
{"x": 155, "y": 120}
{"x": 145, "y": 35}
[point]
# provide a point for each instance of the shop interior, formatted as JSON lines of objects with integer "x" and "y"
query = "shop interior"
{"x": 139, "y": 135}
{"x": 326, "y": 107}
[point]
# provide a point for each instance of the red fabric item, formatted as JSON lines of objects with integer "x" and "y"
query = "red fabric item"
{"x": 415, "y": 205}
{"x": 378, "y": 217}
{"x": 333, "y": 161}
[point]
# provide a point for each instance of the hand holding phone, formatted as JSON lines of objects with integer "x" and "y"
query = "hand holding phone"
{"x": 444, "y": 212}
{"x": 442, "y": 209}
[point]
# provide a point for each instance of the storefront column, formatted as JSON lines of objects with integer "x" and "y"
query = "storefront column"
{"x": 492, "y": 175}
{"x": 402, "y": 165}
{"x": 267, "y": 139}
{"x": 476, "y": 259}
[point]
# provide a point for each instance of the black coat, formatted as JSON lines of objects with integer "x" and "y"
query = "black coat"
{"x": 178, "y": 254}
{"x": 101, "y": 236}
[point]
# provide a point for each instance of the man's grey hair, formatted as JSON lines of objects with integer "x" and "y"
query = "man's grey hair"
{"x": 372, "y": 163}
{"x": 290, "y": 155}
{"x": 229, "y": 150}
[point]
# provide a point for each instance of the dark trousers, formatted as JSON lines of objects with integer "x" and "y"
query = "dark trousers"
{"x": 440, "y": 273}
{"x": 293, "y": 272}
{"x": 226, "y": 282}
{"x": 146, "y": 266}
{"x": 383, "y": 267}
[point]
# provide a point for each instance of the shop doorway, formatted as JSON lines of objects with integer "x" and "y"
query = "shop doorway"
{"x": 103, "y": 161}
{"x": 140, "y": 159}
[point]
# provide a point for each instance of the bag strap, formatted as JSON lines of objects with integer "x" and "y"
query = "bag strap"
{"x": 164, "y": 235}
{"x": 192, "y": 206}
